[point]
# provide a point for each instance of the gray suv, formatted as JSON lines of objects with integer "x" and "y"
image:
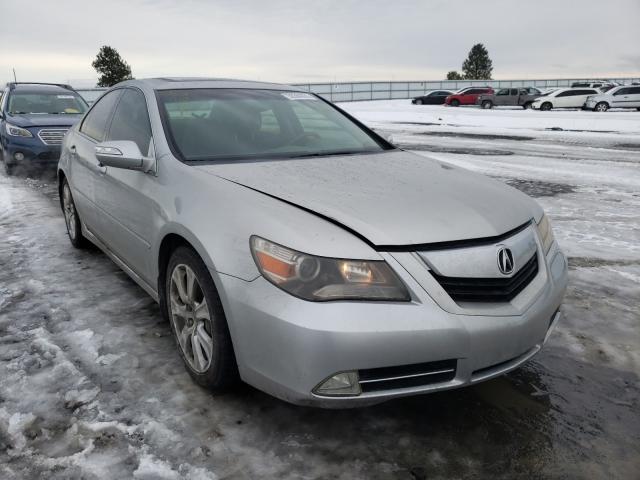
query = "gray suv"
{"x": 522, "y": 97}
{"x": 292, "y": 247}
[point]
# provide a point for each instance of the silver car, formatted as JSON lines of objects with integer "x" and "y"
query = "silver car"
{"x": 291, "y": 247}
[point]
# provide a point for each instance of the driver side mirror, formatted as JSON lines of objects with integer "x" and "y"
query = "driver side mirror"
{"x": 122, "y": 154}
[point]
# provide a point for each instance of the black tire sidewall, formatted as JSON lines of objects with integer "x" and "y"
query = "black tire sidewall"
{"x": 546, "y": 106}
{"x": 223, "y": 370}
{"x": 601, "y": 103}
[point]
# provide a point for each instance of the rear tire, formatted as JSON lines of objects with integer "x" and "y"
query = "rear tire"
{"x": 487, "y": 105}
{"x": 527, "y": 106}
{"x": 455, "y": 103}
{"x": 193, "y": 306}
{"x": 546, "y": 106}
{"x": 601, "y": 107}
{"x": 9, "y": 169}
{"x": 71, "y": 218}
{"x": 638, "y": 109}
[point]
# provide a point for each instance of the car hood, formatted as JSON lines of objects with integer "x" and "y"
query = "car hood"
{"x": 37, "y": 120}
{"x": 392, "y": 199}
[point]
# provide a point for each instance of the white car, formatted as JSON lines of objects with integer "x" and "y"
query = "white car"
{"x": 625, "y": 96}
{"x": 564, "y": 98}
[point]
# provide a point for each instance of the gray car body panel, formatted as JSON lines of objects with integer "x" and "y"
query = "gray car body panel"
{"x": 344, "y": 207}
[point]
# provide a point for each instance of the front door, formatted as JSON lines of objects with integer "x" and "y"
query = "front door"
{"x": 124, "y": 196}
{"x": 85, "y": 170}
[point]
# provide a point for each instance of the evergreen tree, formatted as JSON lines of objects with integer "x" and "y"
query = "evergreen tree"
{"x": 454, "y": 75}
{"x": 111, "y": 67}
{"x": 478, "y": 65}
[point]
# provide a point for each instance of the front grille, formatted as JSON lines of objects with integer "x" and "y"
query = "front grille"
{"x": 52, "y": 136}
{"x": 406, "y": 376}
{"x": 467, "y": 289}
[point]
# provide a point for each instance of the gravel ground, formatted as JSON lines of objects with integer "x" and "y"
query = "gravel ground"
{"x": 91, "y": 384}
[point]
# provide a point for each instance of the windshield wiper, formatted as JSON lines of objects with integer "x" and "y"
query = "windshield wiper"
{"x": 327, "y": 154}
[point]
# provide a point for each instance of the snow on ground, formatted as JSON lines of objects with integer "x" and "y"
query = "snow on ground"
{"x": 91, "y": 384}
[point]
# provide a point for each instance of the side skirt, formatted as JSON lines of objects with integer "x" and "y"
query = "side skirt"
{"x": 120, "y": 263}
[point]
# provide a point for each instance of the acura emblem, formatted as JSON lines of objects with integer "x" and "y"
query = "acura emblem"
{"x": 505, "y": 260}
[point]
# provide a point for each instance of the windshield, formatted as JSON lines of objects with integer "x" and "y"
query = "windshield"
{"x": 51, "y": 103}
{"x": 235, "y": 124}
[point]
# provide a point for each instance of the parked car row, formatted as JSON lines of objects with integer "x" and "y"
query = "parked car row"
{"x": 596, "y": 96}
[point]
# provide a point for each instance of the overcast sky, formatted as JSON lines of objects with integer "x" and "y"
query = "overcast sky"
{"x": 319, "y": 40}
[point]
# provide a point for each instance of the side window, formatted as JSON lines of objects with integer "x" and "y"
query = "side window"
{"x": 514, "y": 91}
{"x": 504, "y": 91}
{"x": 623, "y": 91}
{"x": 568, "y": 93}
{"x": 131, "y": 120}
{"x": 94, "y": 124}
{"x": 633, "y": 91}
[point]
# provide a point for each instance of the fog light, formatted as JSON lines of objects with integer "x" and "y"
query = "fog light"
{"x": 19, "y": 156}
{"x": 341, "y": 384}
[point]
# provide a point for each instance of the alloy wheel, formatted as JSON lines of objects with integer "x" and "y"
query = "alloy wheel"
{"x": 602, "y": 107}
{"x": 191, "y": 319}
{"x": 69, "y": 211}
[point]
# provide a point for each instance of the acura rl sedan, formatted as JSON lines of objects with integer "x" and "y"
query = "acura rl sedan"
{"x": 292, "y": 247}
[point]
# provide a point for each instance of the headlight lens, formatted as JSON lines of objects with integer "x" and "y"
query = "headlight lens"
{"x": 17, "y": 131}
{"x": 321, "y": 279}
{"x": 546, "y": 234}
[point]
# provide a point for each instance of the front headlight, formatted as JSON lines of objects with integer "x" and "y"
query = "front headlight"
{"x": 321, "y": 279}
{"x": 17, "y": 131}
{"x": 546, "y": 234}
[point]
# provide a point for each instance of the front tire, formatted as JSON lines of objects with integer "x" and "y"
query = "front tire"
{"x": 455, "y": 103}
{"x": 198, "y": 321}
{"x": 418, "y": 102}
{"x": 546, "y": 106}
{"x": 487, "y": 105}
{"x": 601, "y": 107}
{"x": 71, "y": 218}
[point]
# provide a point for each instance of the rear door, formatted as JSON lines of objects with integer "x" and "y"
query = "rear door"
{"x": 84, "y": 166}
{"x": 124, "y": 197}
{"x": 581, "y": 96}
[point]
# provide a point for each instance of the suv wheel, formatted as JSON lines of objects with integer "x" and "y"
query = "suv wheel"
{"x": 418, "y": 102}
{"x": 527, "y": 105}
{"x": 487, "y": 104}
{"x": 546, "y": 106}
{"x": 74, "y": 227}
{"x": 601, "y": 107}
{"x": 455, "y": 103}
{"x": 198, "y": 322}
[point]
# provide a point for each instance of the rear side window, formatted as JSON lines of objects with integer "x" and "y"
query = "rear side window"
{"x": 131, "y": 120}
{"x": 96, "y": 122}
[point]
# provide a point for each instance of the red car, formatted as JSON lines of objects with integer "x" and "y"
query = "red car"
{"x": 467, "y": 96}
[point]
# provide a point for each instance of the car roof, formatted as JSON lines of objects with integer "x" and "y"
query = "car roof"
{"x": 176, "y": 83}
{"x": 38, "y": 87}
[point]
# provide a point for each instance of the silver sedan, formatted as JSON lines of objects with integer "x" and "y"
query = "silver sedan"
{"x": 293, "y": 248}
